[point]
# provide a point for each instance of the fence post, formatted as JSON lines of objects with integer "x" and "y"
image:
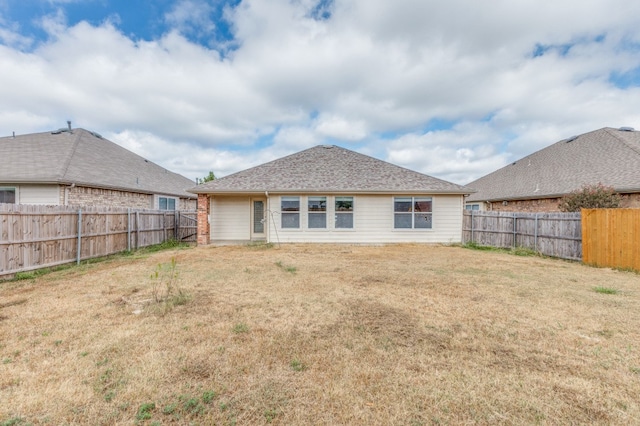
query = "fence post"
{"x": 515, "y": 219}
{"x": 472, "y": 227}
{"x": 129, "y": 229}
{"x": 176, "y": 225}
{"x": 137, "y": 229}
{"x": 535, "y": 234}
{"x": 164, "y": 227}
{"x": 79, "y": 236}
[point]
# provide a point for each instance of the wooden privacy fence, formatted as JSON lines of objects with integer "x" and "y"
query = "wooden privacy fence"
{"x": 34, "y": 237}
{"x": 611, "y": 237}
{"x": 552, "y": 234}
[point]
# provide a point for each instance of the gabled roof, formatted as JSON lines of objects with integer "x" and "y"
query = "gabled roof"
{"x": 608, "y": 156}
{"x": 86, "y": 159}
{"x": 329, "y": 169}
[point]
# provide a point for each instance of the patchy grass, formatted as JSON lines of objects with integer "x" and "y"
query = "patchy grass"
{"x": 605, "y": 290}
{"x": 517, "y": 251}
{"x": 399, "y": 334}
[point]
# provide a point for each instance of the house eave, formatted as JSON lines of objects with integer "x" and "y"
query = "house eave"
{"x": 633, "y": 190}
{"x": 330, "y": 191}
{"x": 94, "y": 185}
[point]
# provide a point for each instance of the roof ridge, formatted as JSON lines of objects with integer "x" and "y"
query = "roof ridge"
{"x": 76, "y": 142}
{"x": 632, "y": 147}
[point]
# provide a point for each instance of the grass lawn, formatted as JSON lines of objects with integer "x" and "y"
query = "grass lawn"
{"x": 321, "y": 335}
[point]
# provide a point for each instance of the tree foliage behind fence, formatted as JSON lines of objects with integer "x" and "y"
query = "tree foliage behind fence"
{"x": 552, "y": 234}
{"x": 34, "y": 237}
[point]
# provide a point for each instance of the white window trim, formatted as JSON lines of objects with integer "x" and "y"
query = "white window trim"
{"x": 16, "y": 190}
{"x": 353, "y": 212}
{"x": 157, "y": 202}
{"x": 326, "y": 213}
{"x": 412, "y": 229}
{"x": 300, "y": 214}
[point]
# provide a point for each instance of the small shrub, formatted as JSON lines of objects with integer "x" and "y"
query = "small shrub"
{"x": 605, "y": 290}
{"x": 590, "y": 197}
{"x": 165, "y": 289}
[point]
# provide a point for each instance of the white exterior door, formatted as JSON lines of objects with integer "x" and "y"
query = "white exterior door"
{"x": 258, "y": 219}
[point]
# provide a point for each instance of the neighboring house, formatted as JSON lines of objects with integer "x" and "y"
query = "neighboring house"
{"x": 80, "y": 168}
{"x": 537, "y": 182}
{"x": 332, "y": 195}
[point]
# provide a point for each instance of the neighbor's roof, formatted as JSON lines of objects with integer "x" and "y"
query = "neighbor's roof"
{"x": 86, "y": 159}
{"x": 328, "y": 168}
{"x": 608, "y": 156}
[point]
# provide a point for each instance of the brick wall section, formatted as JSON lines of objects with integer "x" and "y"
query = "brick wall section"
{"x": 85, "y": 196}
{"x": 629, "y": 201}
{"x": 204, "y": 209}
{"x": 188, "y": 204}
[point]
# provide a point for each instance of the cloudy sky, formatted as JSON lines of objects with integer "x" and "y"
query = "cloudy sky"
{"x": 454, "y": 89}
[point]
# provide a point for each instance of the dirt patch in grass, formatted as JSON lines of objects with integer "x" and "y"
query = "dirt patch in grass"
{"x": 322, "y": 334}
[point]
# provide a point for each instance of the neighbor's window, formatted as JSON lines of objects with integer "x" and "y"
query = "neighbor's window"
{"x": 166, "y": 203}
{"x": 317, "y": 207}
{"x": 290, "y": 209}
{"x": 412, "y": 213}
{"x": 472, "y": 206}
{"x": 8, "y": 195}
{"x": 344, "y": 212}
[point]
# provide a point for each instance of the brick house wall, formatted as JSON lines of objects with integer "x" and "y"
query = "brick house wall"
{"x": 204, "y": 209}
{"x": 86, "y": 196}
{"x": 629, "y": 201}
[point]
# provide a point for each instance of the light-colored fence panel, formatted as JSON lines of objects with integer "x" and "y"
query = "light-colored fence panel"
{"x": 33, "y": 237}
{"x": 552, "y": 234}
{"x": 611, "y": 237}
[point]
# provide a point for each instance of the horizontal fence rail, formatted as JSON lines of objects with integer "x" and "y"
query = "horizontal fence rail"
{"x": 552, "y": 234}
{"x": 34, "y": 237}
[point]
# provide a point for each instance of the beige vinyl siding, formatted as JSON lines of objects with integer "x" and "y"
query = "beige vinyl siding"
{"x": 230, "y": 218}
{"x": 38, "y": 194}
{"x": 373, "y": 222}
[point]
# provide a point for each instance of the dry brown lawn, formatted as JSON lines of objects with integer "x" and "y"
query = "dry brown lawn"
{"x": 323, "y": 335}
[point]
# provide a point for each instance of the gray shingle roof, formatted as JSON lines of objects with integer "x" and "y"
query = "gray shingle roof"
{"x": 608, "y": 156}
{"x": 86, "y": 159}
{"x": 328, "y": 168}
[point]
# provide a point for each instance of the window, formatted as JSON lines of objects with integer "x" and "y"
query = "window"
{"x": 472, "y": 206}
{"x": 317, "y": 207}
{"x": 412, "y": 213}
{"x": 166, "y": 203}
{"x": 290, "y": 209}
{"x": 8, "y": 195}
{"x": 344, "y": 212}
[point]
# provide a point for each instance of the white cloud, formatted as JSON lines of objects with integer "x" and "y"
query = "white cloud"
{"x": 374, "y": 71}
{"x": 191, "y": 16}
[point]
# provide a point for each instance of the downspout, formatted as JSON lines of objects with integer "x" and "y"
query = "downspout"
{"x": 267, "y": 209}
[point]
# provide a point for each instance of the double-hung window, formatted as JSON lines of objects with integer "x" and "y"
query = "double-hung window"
{"x": 412, "y": 213}
{"x": 290, "y": 212}
{"x": 7, "y": 195}
{"x": 472, "y": 207}
{"x": 166, "y": 203}
{"x": 317, "y": 209}
{"x": 344, "y": 212}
